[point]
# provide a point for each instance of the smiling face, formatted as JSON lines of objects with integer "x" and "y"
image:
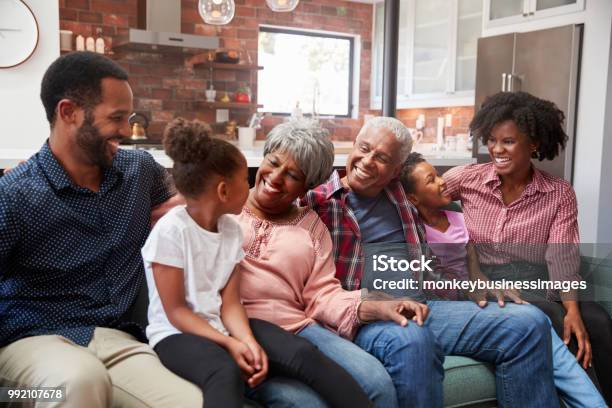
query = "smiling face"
{"x": 509, "y": 149}
{"x": 429, "y": 189}
{"x": 278, "y": 183}
{"x": 106, "y": 124}
{"x": 373, "y": 162}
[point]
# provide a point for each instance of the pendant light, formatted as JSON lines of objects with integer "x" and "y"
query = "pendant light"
{"x": 217, "y": 12}
{"x": 282, "y": 5}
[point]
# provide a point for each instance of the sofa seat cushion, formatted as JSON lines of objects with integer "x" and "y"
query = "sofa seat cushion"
{"x": 468, "y": 383}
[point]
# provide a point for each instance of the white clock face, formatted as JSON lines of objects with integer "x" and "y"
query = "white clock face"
{"x": 18, "y": 33}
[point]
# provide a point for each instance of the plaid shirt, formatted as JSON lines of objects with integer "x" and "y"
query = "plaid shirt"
{"x": 329, "y": 200}
{"x": 540, "y": 226}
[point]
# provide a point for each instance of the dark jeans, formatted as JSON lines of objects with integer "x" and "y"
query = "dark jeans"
{"x": 211, "y": 367}
{"x": 596, "y": 320}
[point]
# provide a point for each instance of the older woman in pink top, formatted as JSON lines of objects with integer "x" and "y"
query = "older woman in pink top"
{"x": 288, "y": 271}
{"x": 524, "y": 220}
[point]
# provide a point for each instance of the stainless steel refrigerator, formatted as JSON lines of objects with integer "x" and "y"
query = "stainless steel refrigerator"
{"x": 544, "y": 63}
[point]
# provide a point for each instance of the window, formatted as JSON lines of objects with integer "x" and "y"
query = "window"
{"x": 310, "y": 68}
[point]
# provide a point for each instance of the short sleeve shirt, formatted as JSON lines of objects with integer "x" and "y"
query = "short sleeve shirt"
{"x": 206, "y": 258}
{"x": 70, "y": 257}
{"x": 450, "y": 246}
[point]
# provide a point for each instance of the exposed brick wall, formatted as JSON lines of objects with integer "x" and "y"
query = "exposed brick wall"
{"x": 166, "y": 85}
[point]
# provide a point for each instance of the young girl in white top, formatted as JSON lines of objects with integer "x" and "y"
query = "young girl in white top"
{"x": 448, "y": 238}
{"x": 197, "y": 324}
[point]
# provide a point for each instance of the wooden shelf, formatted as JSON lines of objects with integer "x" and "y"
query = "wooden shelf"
{"x": 220, "y": 65}
{"x": 231, "y": 105}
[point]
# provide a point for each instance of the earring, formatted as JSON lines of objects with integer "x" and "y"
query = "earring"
{"x": 534, "y": 154}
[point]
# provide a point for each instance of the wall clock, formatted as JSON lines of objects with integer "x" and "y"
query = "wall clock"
{"x": 18, "y": 33}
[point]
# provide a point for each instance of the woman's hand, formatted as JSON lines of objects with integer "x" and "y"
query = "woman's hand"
{"x": 481, "y": 296}
{"x": 572, "y": 323}
{"x": 260, "y": 363}
{"x": 398, "y": 311}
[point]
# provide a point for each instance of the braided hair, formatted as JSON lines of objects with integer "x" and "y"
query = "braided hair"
{"x": 537, "y": 118}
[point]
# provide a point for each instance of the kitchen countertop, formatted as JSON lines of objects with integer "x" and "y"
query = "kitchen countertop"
{"x": 254, "y": 156}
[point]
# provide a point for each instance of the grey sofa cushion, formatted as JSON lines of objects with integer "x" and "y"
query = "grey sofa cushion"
{"x": 468, "y": 383}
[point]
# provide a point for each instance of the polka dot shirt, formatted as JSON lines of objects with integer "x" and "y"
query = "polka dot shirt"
{"x": 69, "y": 257}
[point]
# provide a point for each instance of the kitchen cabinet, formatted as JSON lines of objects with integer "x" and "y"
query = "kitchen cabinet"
{"x": 503, "y": 12}
{"x": 436, "y": 55}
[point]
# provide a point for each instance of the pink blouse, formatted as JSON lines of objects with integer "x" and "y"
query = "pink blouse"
{"x": 288, "y": 275}
{"x": 449, "y": 246}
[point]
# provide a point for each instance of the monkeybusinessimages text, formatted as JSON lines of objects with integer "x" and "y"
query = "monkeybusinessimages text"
{"x": 384, "y": 263}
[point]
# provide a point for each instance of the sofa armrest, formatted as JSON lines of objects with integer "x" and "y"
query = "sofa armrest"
{"x": 598, "y": 274}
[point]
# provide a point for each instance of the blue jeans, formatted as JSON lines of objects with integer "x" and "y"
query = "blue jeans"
{"x": 573, "y": 384}
{"x": 413, "y": 356}
{"x": 282, "y": 392}
{"x": 369, "y": 373}
{"x": 366, "y": 370}
{"x": 516, "y": 339}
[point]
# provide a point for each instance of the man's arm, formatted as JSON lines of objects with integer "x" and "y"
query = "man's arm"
{"x": 163, "y": 192}
{"x": 158, "y": 211}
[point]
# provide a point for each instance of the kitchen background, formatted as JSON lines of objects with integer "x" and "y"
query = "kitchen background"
{"x": 166, "y": 84}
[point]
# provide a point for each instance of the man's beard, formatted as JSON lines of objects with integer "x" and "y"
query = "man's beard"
{"x": 93, "y": 144}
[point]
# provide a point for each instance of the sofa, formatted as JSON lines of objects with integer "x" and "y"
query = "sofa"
{"x": 467, "y": 382}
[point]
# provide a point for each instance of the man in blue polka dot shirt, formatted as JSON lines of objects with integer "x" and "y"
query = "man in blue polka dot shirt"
{"x": 72, "y": 221}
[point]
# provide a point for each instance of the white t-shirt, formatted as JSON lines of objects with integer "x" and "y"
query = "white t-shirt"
{"x": 207, "y": 260}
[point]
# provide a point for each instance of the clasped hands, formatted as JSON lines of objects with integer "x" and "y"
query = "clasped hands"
{"x": 251, "y": 359}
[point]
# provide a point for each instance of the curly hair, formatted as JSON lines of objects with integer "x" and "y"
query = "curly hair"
{"x": 537, "y": 118}
{"x": 413, "y": 160}
{"x": 77, "y": 76}
{"x": 196, "y": 155}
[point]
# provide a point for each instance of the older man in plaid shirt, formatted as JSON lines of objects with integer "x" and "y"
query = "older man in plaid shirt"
{"x": 367, "y": 205}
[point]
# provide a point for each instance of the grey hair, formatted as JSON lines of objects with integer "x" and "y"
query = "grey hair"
{"x": 396, "y": 127}
{"x": 308, "y": 144}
